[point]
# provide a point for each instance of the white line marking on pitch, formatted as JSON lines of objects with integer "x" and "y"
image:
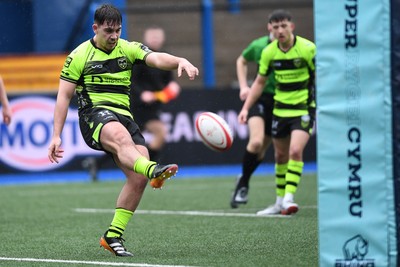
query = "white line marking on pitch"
{"x": 89, "y": 262}
{"x": 186, "y": 213}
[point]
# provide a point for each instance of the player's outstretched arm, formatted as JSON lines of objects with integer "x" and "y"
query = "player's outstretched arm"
{"x": 166, "y": 61}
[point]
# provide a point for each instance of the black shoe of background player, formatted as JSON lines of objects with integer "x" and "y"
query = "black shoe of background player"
{"x": 239, "y": 196}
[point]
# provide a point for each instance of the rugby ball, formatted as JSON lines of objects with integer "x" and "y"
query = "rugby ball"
{"x": 214, "y": 132}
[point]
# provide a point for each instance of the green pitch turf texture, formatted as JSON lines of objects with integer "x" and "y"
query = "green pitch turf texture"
{"x": 60, "y": 225}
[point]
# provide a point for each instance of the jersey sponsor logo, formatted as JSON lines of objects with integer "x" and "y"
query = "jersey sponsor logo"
{"x": 97, "y": 66}
{"x": 97, "y": 79}
{"x": 110, "y": 80}
{"x": 289, "y": 64}
{"x": 276, "y": 64}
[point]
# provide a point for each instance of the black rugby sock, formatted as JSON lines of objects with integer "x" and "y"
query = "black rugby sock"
{"x": 249, "y": 165}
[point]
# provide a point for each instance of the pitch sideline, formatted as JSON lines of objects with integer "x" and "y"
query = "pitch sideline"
{"x": 186, "y": 213}
{"x": 89, "y": 262}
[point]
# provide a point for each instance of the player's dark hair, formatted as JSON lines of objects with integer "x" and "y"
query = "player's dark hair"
{"x": 279, "y": 15}
{"x": 107, "y": 13}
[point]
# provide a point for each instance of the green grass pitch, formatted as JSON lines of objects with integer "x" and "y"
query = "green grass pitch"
{"x": 60, "y": 225}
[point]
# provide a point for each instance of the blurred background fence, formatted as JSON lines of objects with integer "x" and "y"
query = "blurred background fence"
{"x": 209, "y": 33}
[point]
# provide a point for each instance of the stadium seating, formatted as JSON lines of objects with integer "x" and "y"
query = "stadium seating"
{"x": 31, "y": 73}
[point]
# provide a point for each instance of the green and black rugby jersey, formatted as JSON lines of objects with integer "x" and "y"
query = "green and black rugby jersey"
{"x": 103, "y": 79}
{"x": 252, "y": 53}
{"x": 294, "y": 76}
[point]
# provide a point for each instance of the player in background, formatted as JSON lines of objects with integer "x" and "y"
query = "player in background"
{"x": 259, "y": 118}
{"x": 5, "y": 106}
{"x": 99, "y": 72}
{"x": 151, "y": 88}
{"x": 291, "y": 58}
